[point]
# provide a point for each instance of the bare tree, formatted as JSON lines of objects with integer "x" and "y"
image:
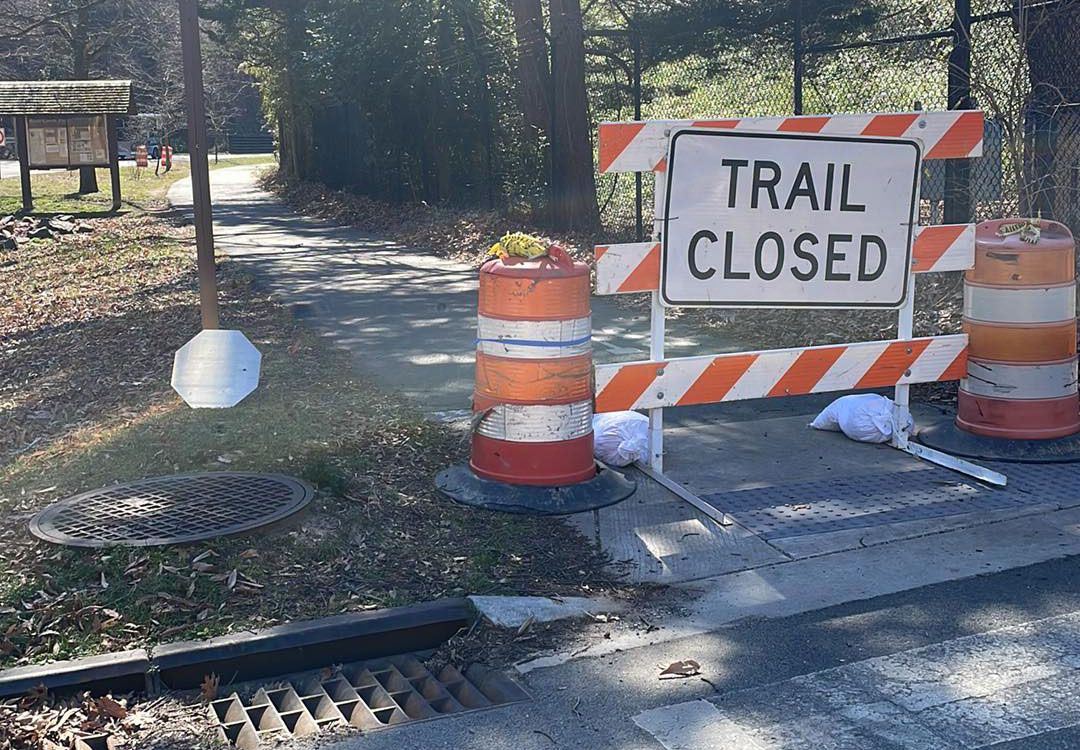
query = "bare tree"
{"x": 1024, "y": 91}
{"x": 225, "y": 86}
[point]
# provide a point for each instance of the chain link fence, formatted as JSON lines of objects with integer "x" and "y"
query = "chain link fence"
{"x": 1017, "y": 61}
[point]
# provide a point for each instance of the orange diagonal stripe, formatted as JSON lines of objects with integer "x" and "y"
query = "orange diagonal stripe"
{"x": 646, "y": 277}
{"x": 719, "y": 378}
{"x": 961, "y": 137}
{"x": 803, "y": 124}
{"x": 627, "y": 386}
{"x": 598, "y": 251}
{"x": 807, "y": 371}
{"x": 957, "y": 368}
{"x": 931, "y": 243}
{"x": 890, "y": 125}
{"x": 614, "y": 138}
{"x": 892, "y": 364}
{"x": 715, "y": 123}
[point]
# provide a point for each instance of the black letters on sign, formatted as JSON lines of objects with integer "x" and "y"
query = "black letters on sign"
{"x": 735, "y": 165}
{"x": 832, "y": 256}
{"x": 759, "y": 266}
{"x": 729, "y": 239}
{"x": 845, "y": 184}
{"x": 765, "y": 183}
{"x": 806, "y": 255}
{"x": 704, "y": 234}
{"x": 803, "y": 188}
{"x": 867, "y": 240}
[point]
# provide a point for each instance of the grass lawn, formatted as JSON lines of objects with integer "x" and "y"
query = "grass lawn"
{"x": 56, "y": 191}
{"x": 88, "y": 327}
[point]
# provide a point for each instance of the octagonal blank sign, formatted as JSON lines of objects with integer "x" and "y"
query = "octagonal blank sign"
{"x": 216, "y": 369}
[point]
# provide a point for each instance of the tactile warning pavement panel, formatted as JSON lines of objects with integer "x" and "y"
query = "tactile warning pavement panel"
{"x": 817, "y": 507}
{"x": 367, "y": 695}
{"x": 175, "y": 509}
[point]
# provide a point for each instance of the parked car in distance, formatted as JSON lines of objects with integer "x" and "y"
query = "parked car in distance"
{"x": 125, "y": 151}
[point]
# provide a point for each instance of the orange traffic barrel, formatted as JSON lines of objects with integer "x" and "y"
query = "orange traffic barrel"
{"x": 533, "y": 393}
{"x": 1020, "y": 317}
{"x": 532, "y": 437}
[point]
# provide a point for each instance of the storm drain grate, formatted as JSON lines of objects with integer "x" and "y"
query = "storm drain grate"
{"x": 868, "y": 500}
{"x": 174, "y": 509}
{"x": 366, "y": 695}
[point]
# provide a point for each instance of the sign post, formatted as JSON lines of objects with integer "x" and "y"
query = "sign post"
{"x": 215, "y": 369}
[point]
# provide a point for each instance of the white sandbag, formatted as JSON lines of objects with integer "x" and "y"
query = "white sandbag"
{"x": 866, "y": 417}
{"x": 621, "y": 437}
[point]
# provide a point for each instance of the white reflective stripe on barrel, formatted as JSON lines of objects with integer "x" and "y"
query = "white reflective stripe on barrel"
{"x": 533, "y": 339}
{"x": 537, "y": 424}
{"x": 1052, "y": 380}
{"x": 1020, "y": 305}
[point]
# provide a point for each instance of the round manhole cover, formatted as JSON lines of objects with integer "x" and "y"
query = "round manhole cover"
{"x": 171, "y": 510}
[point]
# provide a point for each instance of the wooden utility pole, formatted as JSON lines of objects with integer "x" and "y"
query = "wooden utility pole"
{"x": 200, "y": 168}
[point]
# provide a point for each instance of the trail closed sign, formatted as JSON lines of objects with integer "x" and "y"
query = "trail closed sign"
{"x": 788, "y": 220}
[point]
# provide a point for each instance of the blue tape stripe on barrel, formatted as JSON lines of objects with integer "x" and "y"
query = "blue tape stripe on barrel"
{"x": 549, "y": 344}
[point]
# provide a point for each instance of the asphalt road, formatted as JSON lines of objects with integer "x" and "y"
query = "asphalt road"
{"x": 983, "y": 662}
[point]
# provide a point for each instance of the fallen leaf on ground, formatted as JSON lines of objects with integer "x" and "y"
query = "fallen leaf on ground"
{"x": 112, "y": 708}
{"x": 209, "y": 688}
{"x": 685, "y": 668}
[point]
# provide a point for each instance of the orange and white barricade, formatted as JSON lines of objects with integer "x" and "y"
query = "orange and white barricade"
{"x": 663, "y": 381}
{"x": 532, "y": 439}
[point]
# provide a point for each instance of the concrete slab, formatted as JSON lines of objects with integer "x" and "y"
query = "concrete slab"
{"x": 515, "y": 611}
{"x": 667, "y": 540}
{"x": 711, "y": 454}
{"x": 812, "y": 545}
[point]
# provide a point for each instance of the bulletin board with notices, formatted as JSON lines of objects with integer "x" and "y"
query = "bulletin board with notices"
{"x": 68, "y": 142}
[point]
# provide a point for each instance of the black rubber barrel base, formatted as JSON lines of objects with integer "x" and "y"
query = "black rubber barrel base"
{"x": 606, "y": 488}
{"x": 944, "y": 435}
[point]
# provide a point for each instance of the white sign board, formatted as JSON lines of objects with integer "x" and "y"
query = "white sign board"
{"x": 788, "y": 219}
{"x": 216, "y": 369}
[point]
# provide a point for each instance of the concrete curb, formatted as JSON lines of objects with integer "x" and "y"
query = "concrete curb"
{"x": 124, "y": 671}
{"x": 293, "y": 647}
{"x": 515, "y": 611}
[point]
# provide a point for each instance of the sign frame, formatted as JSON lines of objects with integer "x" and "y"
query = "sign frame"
{"x": 790, "y": 136}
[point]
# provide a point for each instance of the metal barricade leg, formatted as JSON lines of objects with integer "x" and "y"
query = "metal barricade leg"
{"x": 902, "y": 414}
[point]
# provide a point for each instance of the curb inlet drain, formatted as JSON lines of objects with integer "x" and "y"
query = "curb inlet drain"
{"x": 366, "y": 695}
{"x": 175, "y": 509}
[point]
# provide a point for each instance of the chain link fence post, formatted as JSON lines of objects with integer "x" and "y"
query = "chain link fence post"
{"x": 958, "y": 171}
{"x": 797, "y": 54}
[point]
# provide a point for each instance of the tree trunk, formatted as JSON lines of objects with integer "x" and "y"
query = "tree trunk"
{"x": 573, "y": 182}
{"x": 1050, "y": 34}
{"x": 534, "y": 77}
{"x": 80, "y": 51}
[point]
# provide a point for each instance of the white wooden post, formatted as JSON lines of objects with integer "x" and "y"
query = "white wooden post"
{"x": 657, "y": 321}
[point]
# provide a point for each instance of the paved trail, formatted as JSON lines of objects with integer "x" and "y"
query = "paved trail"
{"x": 407, "y": 317}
